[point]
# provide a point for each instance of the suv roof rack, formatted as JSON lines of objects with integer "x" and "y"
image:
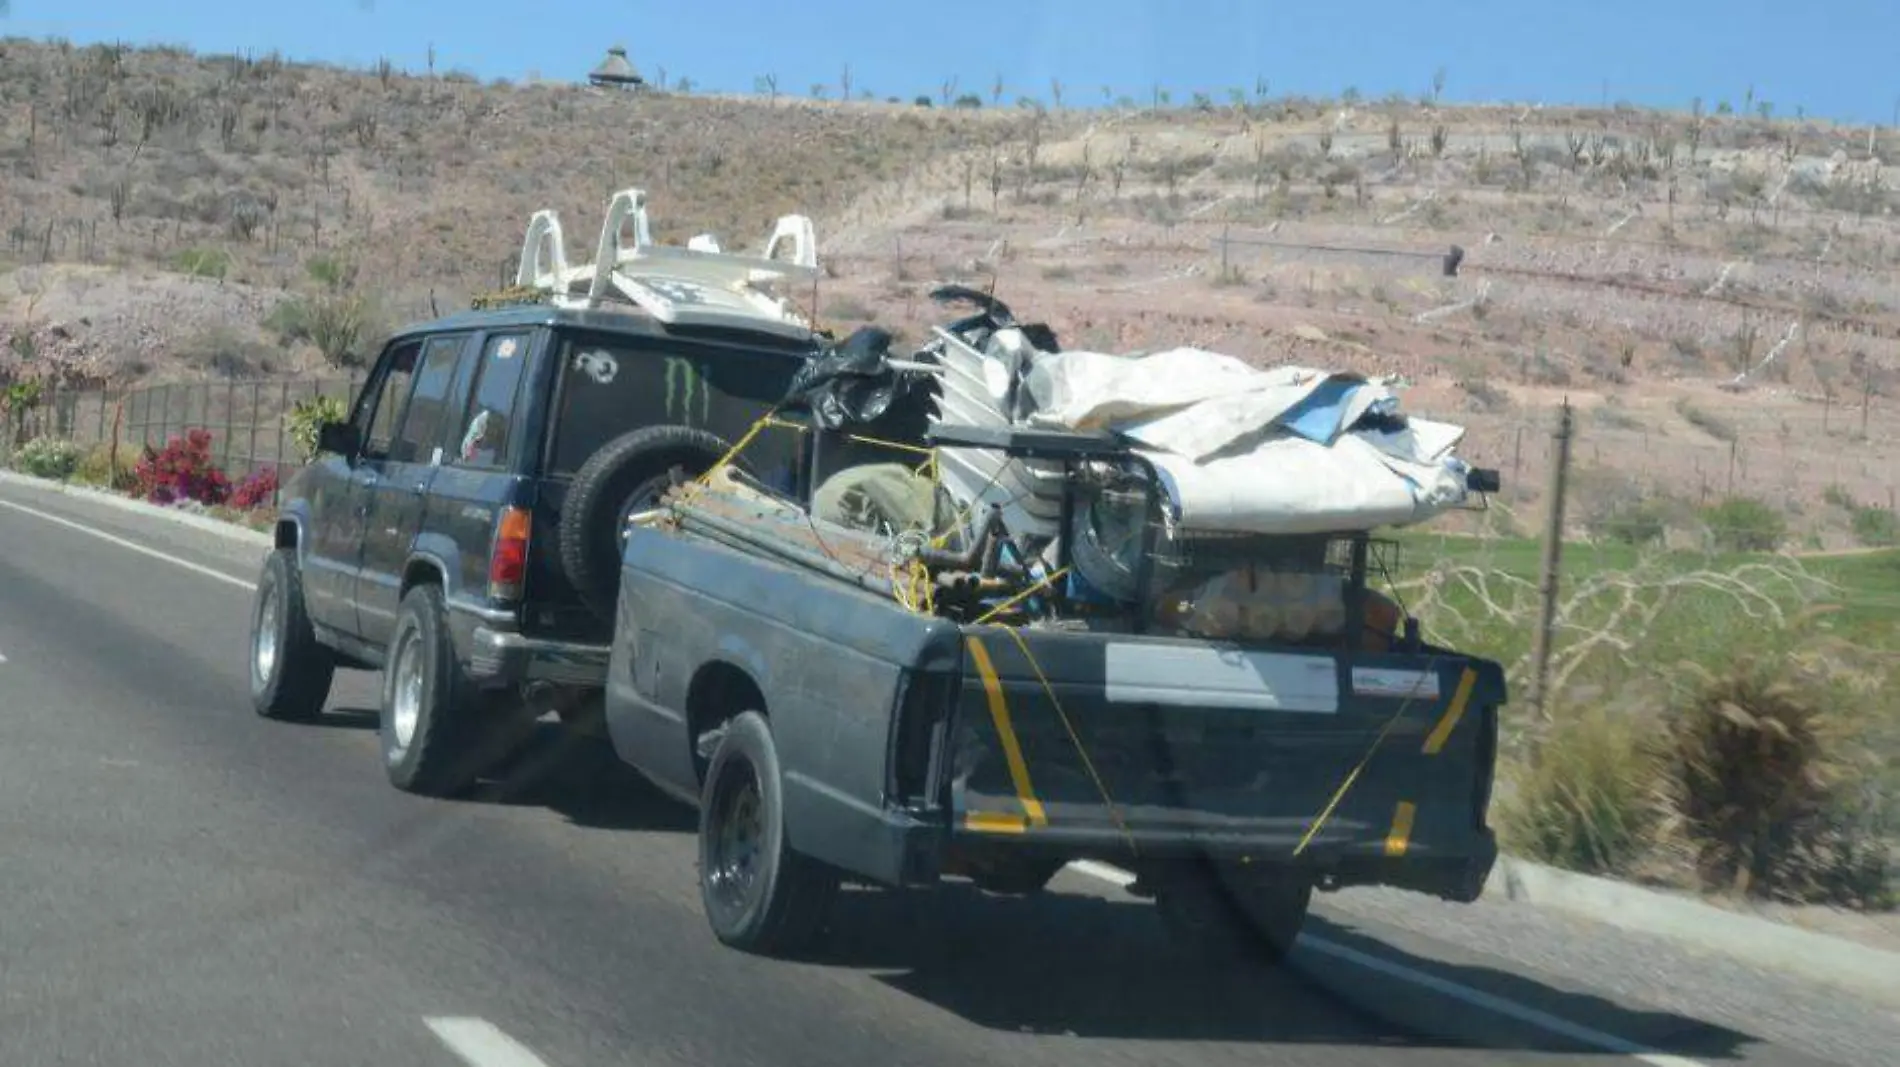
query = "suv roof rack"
{"x": 699, "y": 285}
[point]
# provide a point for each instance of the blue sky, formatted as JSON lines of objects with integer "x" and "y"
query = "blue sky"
{"x": 1834, "y": 59}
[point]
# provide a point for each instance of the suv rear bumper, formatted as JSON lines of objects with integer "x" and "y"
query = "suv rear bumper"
{"x": 508, "y": 657}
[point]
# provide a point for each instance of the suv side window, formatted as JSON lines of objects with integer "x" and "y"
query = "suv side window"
{"x": 428, "y": 415}
{"x": 382, "y": 408}
{"x": 486, "y": 440}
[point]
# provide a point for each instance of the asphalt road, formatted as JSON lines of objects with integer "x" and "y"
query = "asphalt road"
{"x": 184, "y": 883}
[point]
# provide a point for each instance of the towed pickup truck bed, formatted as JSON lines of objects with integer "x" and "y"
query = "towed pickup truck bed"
{"x": 827, "y": 732}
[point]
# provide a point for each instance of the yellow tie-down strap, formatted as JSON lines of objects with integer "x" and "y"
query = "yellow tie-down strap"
{"x": 1032, "y": 813}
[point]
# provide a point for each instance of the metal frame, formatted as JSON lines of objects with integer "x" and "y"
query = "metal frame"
{"x": 698, "y": 285}
{"x": 1069, "y": 449}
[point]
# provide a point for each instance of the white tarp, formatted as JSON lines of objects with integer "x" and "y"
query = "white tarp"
{"x": 1262, "y": 451}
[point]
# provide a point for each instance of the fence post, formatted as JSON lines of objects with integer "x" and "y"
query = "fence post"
{"x": 283, "y": 425}
{"x": 230, "y": 420}
{"x": 1552, "y": 566}
{"x": 165, "y": 418}
{"x": 250, "y": 452}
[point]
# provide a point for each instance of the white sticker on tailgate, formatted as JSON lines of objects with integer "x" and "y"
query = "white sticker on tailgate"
{"x": 1202, "y": 677}
{"x": 1386, "y": 682}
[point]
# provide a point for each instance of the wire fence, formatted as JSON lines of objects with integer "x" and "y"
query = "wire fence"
{"x": 248, "y": 421}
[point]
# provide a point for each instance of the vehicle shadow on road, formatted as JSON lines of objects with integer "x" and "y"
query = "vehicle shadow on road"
{"x": 1101, "y": 968}
{"x": 348, "y": 719}
{"x": 584, "y": 781}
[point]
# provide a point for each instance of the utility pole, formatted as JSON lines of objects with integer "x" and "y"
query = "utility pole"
{"x": 1552, "y": 565}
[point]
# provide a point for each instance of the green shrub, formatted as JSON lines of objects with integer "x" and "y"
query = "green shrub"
{"x": 1585, "y": 798}
{"x": 202, "y": 262}
{"x": 96, "y": 468}
{"x": 48, "y": 457}
{"x": 1744, "y": 524}
{"x": 1875, "y": 527}
{"x": 1763, "y": 776}
{"x": 1634, "y": 522}
{"x": 306, "y": 416}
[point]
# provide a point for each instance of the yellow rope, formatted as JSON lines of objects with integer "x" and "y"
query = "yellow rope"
{"x": 1353, "y": 775}
{"x": 1075, "y": 738}
{"x": 1019, "y": 597}
{"x": 899, "y": 445}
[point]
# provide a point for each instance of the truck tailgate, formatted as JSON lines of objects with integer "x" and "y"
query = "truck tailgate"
{"x": 1159, "y": 745}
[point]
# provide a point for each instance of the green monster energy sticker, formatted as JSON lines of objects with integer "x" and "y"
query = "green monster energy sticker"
{"x": 686, "y": 378}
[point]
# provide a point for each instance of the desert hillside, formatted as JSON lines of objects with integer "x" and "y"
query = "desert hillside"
{"x": 1712, "y": 291}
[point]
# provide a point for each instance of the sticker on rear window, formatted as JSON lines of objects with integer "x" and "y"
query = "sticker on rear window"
{"x": 600, "y": 366}
{"x": 506, "y": 348}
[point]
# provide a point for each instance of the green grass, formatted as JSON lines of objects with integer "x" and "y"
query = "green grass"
{"x": 1645, "y": 638}
{"x": 1701, "y": 621}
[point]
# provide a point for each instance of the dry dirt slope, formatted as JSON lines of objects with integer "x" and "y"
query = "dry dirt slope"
{"x": 163, "y": 206}
{"x": 243, "y": 172}
{"x": 1714, "y": 294}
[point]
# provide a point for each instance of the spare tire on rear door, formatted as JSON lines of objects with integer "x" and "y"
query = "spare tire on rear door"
{"x": 629, "y": 474}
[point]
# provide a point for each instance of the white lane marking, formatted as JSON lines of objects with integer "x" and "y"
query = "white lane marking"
{"x": 1113, "y": 875}
{"x": 209, "y": 572}
{"x": 481, "y": 1043}
{"x": 1474, "y": 997}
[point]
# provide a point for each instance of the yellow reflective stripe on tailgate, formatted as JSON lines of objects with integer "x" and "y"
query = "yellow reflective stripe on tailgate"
{"x": 1399, "y": 838}
{"x": 996, "y": 822}
{"x": 999, "y": 714}
{"x": 1449, "y": 721}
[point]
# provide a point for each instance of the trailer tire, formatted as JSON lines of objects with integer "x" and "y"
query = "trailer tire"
{"x": 628, "y": 474}
{"x": 290, "y": 671}
{"x": 1230, "y": 917}
{"x": 760, "y": 894}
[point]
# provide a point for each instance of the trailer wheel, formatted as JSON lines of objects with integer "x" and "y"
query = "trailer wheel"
{"x": 760, "y": 895}
{"x": 1230, "y": 915}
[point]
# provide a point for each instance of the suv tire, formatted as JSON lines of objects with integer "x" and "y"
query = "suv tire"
{"x": 629, "y": 474}
{"x": 760, "y": 894}
{"x": 439, "y": 734}
{"x": 290, "y": 672}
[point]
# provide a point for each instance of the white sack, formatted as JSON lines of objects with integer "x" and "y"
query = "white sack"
{"x": 1290, "y": 485}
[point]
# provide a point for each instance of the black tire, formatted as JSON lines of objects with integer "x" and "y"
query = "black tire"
{"x": 760, "y": 895}
{"x": 290, "y": 678}
{"x": 449, "y": 734}
{"x": 628, "y": 474}
{"x": 1236, "y": 916}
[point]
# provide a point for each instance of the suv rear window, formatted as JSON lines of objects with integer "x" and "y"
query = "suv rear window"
{"x": 610, "y": 385}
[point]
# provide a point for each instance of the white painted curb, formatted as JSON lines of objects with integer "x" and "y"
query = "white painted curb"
{"x": 1772, "y": 946}
{"x": 203, "y": 523}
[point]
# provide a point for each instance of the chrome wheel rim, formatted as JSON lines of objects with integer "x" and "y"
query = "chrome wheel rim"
{"x": 405, "y": 706}
{"x": 264, "y": 641}
{"x": 738, "y": 844}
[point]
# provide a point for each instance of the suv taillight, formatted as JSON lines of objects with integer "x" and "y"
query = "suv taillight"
{"x": 508, "y": 562}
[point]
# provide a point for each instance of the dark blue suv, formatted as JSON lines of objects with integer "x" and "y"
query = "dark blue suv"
{"x": 462, "y": 530}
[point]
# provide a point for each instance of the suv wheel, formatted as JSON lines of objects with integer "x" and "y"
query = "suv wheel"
{"x": 438, "y": 734}
{"x": 290, "y": 672}
{"x": 760, "y": 895}
{"x": 629, "y": 474}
